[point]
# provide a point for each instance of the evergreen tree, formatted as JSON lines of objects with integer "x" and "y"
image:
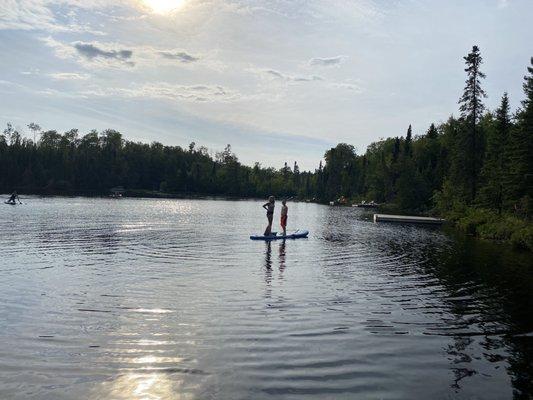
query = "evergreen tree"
{"x": 491, "y": 193}
{"x": 519, "y": 177}
{"x": 408, "y": 142}
{"x": 432, "y": 132}
{"x": 428, "y": 152}
{"x": 396, "y": 149}
{"x": 296, "y": 176}
{"x": 285, "y": 171}
{"x": 472, "y": 107}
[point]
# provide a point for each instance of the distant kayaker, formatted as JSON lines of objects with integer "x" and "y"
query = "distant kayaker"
{"x": 13, "y": 198}
{"x": 269, "y": 207}
{"x": 284, "y": 212}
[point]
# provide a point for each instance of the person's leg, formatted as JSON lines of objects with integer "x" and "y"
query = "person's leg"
{"x": 268, "y": 229}
{"x": 285, "y": 225}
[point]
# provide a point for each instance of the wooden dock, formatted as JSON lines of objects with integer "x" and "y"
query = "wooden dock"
{"x": 407, "y": 219}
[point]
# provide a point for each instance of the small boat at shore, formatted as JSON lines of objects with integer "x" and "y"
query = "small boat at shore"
{"x": 366, "y": 205}
{"x": 117, "y": 192}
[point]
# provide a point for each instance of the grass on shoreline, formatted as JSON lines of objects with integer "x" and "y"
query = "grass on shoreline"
{"x": 480, "y": 222}
{"x": 488, "y": 224}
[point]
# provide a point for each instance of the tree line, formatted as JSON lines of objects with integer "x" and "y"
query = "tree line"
{"x": 482, "y": 158}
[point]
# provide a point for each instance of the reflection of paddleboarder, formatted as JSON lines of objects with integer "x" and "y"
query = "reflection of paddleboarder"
{"x": 269, "y": 207}
{"x": 283, "y": 222}
{"x": 269, "y": 261}
{"x": 282, "y": 257}
{"x": 13, "y": 198}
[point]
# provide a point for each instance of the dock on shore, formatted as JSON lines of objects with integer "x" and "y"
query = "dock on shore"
{"x": 407, "y": 219}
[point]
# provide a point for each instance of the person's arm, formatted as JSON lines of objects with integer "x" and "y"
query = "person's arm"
{"x": 265, "y": 206}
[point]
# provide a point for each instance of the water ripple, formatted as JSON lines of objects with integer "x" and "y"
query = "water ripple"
{"x": 167, "y": 299}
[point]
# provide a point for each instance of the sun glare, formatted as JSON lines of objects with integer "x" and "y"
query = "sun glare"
{"x": 163, "y": 6}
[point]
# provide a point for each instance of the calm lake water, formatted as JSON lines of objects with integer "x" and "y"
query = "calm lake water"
{"x": 169, "y": 299}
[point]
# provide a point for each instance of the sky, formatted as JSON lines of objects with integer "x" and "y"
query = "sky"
{"x": 278, "y": 80}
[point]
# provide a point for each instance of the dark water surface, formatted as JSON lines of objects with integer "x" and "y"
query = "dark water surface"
{"x": 169, "y": 299}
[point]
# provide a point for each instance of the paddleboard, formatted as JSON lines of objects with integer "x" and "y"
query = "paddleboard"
{"x": 298, "y": 234}
{"x": 11, "y": 204}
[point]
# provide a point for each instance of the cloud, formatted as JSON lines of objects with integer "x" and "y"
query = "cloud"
{"x": 31, "y": 71}
{"x": 61, "y": 49}
{"x": 180, "y": 56}
{"x": 90, "y": 55}
{"x": 69, "y": 76}
{"x": 51, "y": 92}
{"x": 289, "y": 78}
{"x": 42, "y": 15}
{"x": 346, "y": 85}
{"x": 275, "y": 74}
{"x": 114, "y": 55}
{"x": 26, "y": 15}
{"x": 168, "y": 91}
{"x": 305, "y": 79}
{"x": 327, "y": 61}
{"x": 90, "y": 51}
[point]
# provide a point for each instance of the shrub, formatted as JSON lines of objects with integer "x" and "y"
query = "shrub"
{"x": 500, "y": 229}
{"x": 474, "y": 218}
{"x": 523, "y": 238}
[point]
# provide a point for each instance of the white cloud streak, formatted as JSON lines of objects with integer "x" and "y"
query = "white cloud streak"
{"x": 39, "y": 15}
{"x": 277, "y": 75}
{"x": 167, "y": 91}
{"x": 327, "y": 61}
{"x": 69, "y": 76}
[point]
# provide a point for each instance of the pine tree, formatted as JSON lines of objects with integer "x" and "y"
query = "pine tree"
{"x": 432, "y": 132}
{"x": 429, "y": 158}
{"x": 519, "y": 177}
{"x": 296, "y": 177}
{"x": 408, "y": 183}
{"x": 472, "y": 107}
{"x": 491, "y": 193}
{"x": 396, "y": 149}
{"x": 408, "y": 146}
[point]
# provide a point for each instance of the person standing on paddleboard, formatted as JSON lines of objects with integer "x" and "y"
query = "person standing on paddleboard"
{"x": 269, "y": 207}
{"x": 13, "y": 198}
{"x": 284, "y": 212}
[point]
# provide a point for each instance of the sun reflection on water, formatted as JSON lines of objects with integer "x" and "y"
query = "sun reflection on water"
{"x": 148, "y": 380}
{"x": 143, "y": 386}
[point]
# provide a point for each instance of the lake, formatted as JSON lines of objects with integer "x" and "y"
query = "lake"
{"x": 169, "y": 299}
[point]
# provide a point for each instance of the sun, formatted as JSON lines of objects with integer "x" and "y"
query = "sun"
{"x": 163, "y": 6}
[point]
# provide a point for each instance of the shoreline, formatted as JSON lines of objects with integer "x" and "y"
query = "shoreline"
{"x": 145, "y": 194}
{"x": 477, "y": 223}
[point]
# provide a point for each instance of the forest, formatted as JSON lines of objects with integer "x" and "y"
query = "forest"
{"x": 475, "y": 169}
